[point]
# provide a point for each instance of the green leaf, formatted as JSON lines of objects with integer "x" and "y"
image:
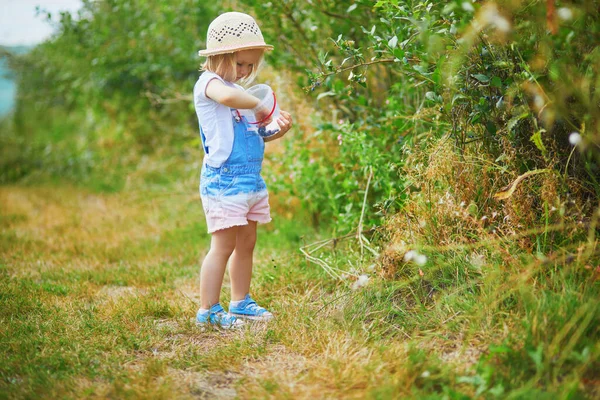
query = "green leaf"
{"x": 457, "y": 97}
{"x": 497, "y": 349}
{"x": 497, "y": 390}
{"x": 325, "y": 94}
{"x": 500, "y": 102}
{"x": 496, "y": 82}
{"x": 420, "y": 69}
{"x": 537, "y": 356}
{"x": 449, "y": 8}
{"x": 515, "y": 120}
{"x": 472, "y": 209}
{"x": 481, "y": 78}
{"x": 536, "y": 138}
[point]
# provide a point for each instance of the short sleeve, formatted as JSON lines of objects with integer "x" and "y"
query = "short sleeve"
{"x": 200, "y": 88}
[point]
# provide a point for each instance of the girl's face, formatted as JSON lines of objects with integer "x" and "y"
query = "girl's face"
{"x": 246, "y": 61}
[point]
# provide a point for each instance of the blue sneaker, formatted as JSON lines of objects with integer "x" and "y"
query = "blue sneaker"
{"x": 216, "y": 316}
{"x": 248, "y": 309}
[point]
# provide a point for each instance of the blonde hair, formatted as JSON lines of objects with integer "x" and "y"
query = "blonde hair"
{"x": 224, "y": 65}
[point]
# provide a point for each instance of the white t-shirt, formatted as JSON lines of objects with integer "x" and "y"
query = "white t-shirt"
{"x": 215, "y": 121}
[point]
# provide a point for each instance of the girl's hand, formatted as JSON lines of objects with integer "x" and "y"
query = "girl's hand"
{"x": 285, "y": 124}
{"x": 261, "y": 114}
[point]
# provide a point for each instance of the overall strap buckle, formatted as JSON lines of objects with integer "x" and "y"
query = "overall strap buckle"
{"x": 236, "y": 115}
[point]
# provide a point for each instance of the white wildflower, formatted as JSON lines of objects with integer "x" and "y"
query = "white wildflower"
{"x": 416, "y": 257}
{"x": 502, "y": 24}
{"x": 565, "y": 13}
{"x": 360, "y": 282}
{"x": 425, "y": 374}
{"x": 490, "y": 16}
{"x": 410, "y": 255}
{"x": 477, "y": 260}
{"x": 467, "y": 6}
{"x": 539, "y": 101}
{"x": 421, "y": 259}
{"x": 575, "y": 138}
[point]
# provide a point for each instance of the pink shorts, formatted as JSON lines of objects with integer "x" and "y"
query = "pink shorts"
{"x": 226, "y": 211}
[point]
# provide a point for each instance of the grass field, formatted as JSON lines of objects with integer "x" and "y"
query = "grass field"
{"x": 99, "y": 291}
{"x": 99, "y": 294}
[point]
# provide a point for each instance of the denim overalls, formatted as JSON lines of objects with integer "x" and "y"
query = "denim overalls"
{"x": 235, "y": 192}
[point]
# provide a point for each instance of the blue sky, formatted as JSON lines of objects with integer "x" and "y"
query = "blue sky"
{"x": 19, "y": 24}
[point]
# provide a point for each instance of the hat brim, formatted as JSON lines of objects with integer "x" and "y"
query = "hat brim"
{"x": 233, "y": 49}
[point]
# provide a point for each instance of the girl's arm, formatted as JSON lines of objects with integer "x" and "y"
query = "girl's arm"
{"x": 230, "y": 96}
{"x": 236, "y": 98}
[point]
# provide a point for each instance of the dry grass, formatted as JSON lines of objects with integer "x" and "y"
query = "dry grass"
{"x": 109, "y": 288}
{"x": 453, "y": 205}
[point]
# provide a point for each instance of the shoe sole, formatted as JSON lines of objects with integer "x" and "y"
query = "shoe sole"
{"x": 205, "y": 325}
{"x": 252, "y": 317}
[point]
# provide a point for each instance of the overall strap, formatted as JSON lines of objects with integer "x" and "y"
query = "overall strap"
{"x": 203, "y": 139}
{"x": 235, "y": 113}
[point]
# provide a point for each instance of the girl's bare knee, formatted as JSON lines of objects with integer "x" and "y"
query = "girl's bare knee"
{"x": 223, "y": 249}
{"x": 245, "y": 243}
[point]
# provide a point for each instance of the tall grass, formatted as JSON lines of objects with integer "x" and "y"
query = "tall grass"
{"x": 99, "y": 294}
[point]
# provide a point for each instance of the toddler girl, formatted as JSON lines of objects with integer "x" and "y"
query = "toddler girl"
{"x": 234, "y": 195}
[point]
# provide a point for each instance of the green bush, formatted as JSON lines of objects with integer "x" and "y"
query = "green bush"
{"x": 505, "y": 78}
{"x": 112, "y": 84}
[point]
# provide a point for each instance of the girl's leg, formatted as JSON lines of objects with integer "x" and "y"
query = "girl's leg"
{"x": 240, "y": 267}
{"x": 213, "y": 267}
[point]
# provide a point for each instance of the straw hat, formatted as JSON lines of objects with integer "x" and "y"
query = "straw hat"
{"x": 231, "y": 32}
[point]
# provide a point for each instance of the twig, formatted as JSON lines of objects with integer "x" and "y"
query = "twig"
{"x": 332, "y": 271}
{"x": 508, "y": 191}
{"x": 372, "y": 250}
{"x": 451, "y": 318}
{"x": 364, "y": 64}
{"x": 321, "y": 263}
{"x": 362, "y": 213}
